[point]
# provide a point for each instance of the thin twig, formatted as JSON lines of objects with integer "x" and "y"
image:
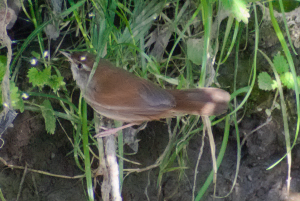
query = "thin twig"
{"x": 22, "y": 182}
{"x": 40, "y": 171}
{"x": 197, "y": 163}
{"x": 146, "y": 188}
{"x": 35, "y": 186}
{"x": 256, "y": 129}
{"x": 207, "y": 124}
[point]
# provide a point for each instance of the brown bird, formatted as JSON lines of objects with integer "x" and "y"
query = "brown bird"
{"x": 117, "y": 94}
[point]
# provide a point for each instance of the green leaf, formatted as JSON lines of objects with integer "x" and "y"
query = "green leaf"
{"x": 287, "y": 80}
{"x": 48, "y": 114}
{"x": 265, "y": 82}
{"x": 42, "y": 78}
{"x": 280, "y": 64}
{"x": 15, "y": 97}
{"x": 56, "y": 82}
{"x": 195, "y": 50}
{"x": 238, "y": 8}
{"x": 20, "y": 105}
{"x": 39, "y": 78}
{"x": 36, "y": 55}
{"x": 3, "y": 60}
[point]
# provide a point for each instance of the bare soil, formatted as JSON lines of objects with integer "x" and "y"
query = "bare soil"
{"x": 27, "y": 145}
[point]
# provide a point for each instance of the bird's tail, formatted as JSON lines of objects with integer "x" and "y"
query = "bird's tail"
{"x": 202, "y": 101}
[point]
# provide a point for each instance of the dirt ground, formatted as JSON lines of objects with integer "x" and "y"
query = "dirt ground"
{"x": 27, "y": 144}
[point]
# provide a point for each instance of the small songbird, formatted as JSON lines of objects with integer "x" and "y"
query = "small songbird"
{"x": 117, "y": 94}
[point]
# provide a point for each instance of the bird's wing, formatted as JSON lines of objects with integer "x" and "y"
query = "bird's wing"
{"x": 117, "y": 89}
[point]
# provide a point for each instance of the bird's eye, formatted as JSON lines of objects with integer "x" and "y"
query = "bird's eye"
{"x": 79, "y": 66}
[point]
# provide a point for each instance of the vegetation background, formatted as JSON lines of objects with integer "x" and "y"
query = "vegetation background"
{"x": 248, "y": 48}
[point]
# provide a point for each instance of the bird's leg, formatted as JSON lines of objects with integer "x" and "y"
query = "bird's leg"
{"x": 113, "y": 131}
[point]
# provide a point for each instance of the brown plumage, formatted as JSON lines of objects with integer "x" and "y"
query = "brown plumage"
{"x": 120, "y": 95}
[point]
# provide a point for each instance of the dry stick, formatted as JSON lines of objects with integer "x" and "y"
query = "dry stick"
{"x": 156, "y": 164}
{"x": 198, "y": 161}
{"x": 207, "y": 124}
{"x": 35, "y": 187}
{"x": 108, "y": 167}
{"x": 40, "y": 172}
{"x": 269, "y": 119}
{"x": 113, "y": 167}
{"x": 102, "y": 169}
{"x": 105, "y": 187}
{"x": 22, "y": 182}
{"x": 148, "y": 184}
{"x": 129, "y": 161}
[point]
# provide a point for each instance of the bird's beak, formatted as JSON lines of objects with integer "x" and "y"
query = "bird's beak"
{"x": 67, "y": 55}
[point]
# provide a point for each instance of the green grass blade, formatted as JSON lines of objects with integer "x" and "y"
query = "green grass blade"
{"x": 86, "y": 151}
